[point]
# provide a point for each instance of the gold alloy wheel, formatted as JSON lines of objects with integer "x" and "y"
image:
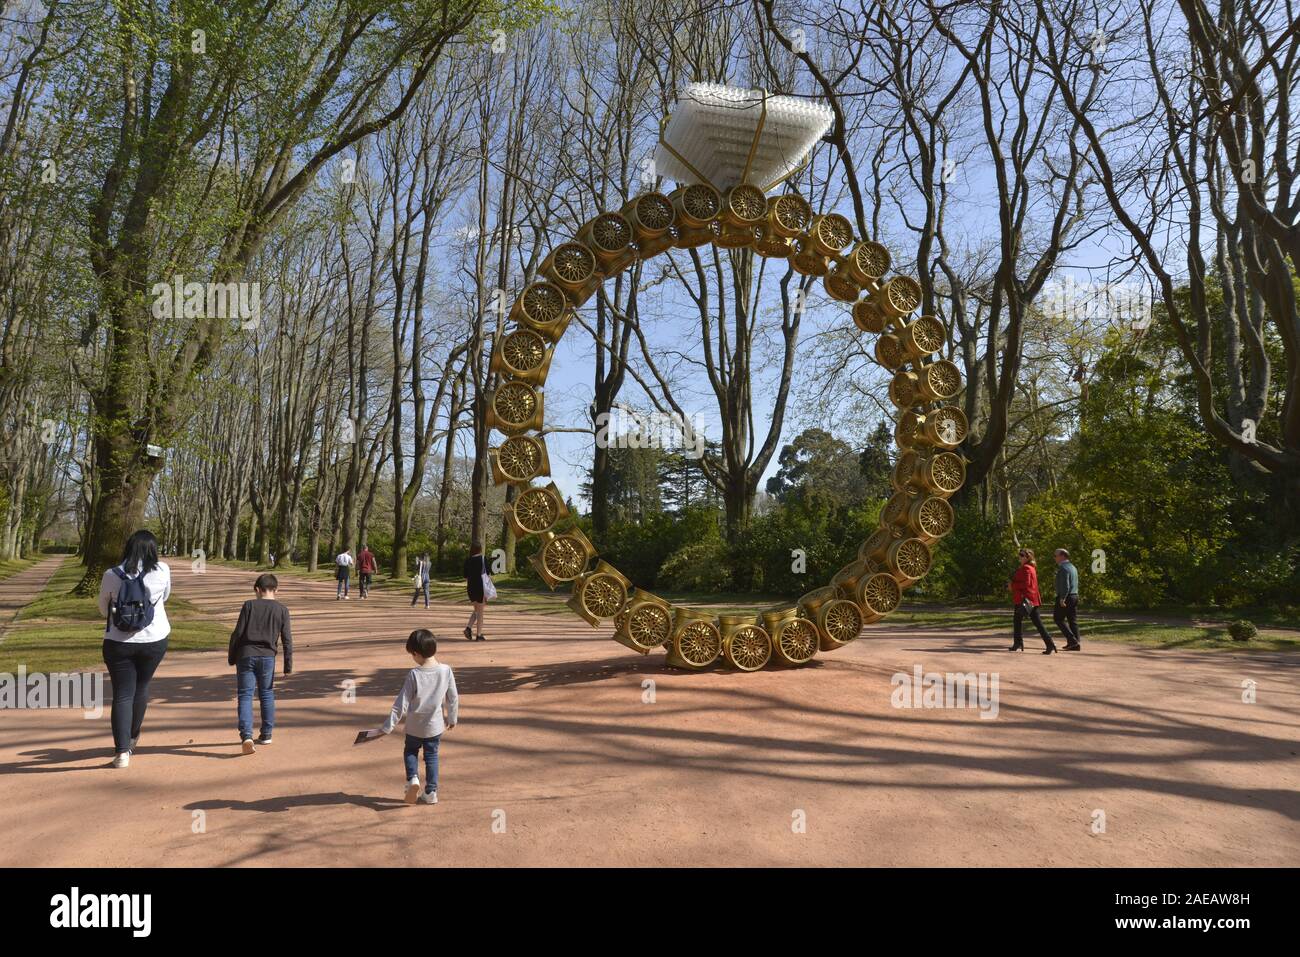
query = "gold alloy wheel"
{"x": 650, "y": 626}
{"x": 603, "y": 595}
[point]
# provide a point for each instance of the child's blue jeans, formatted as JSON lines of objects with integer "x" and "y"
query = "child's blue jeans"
{"x": 256, "y": 674}
{"x": 430, "y": 745}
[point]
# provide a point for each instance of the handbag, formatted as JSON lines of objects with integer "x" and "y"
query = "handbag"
{"x": 489, "y": 589}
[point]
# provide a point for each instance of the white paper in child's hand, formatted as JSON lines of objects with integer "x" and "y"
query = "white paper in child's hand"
{"x": 370, "y": 735}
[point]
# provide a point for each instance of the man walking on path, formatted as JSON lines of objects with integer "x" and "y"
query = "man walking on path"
{"x": 343, "y": 563}
{"x": 1065, "y": 608}
{"x": 366, "y": 566}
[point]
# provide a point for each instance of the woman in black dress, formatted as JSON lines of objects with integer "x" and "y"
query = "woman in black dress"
{"x": 475, "y": 569}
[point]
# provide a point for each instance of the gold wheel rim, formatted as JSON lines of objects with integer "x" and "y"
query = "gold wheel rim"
{"x": 927, "y": 334}
{"x": 700, "y": 202}
{"x": 750, "y": 648}
{"x": 799, "y": 641}
{"x": 904, "y": 469}
{"x": 524, "y": 350}
{"x": 603, "y": 595}
{"x": 872, "y": 260}
{"x": 950, "y": 434}
{"x": 748, "y": 204}
{"x": 564, "y": 558}
{"x": 881, "y": 594}
{"x": 611, "y": 232}
{"x": 649, "y": 626}
{"x": 792, "y": 213}
{"x": 654, "y": 212}
{"x": 543, "y": 303}
{"x": 573, "y": 263}
{"x": 903, "y": 293}
{"x": 948, "y": 472}
{"x": 536, "y": 510}
{"x": 515, "y": 403}
{"x": 519, "y": 458}
{"x": 935, "y": 517}
{"x": 699, "y": 643}
{"x": 890, "y": 352}
{"x": 944, "y": 379}
{"x": 913, "y": 558}
{"x": 835, "y": 231}
{"x": 895, "y": 510}
{"x": 843, "y": 621}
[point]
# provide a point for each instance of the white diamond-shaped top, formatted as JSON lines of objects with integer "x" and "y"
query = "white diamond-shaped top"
{"x": 713, "y": 126}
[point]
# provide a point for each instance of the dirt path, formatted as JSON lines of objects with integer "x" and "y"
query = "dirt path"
{"x": 561, "y": 759}
{"x": 18, "y": 591}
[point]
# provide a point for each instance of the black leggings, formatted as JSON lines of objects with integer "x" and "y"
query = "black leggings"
{"x": 1036, "y": 618}
{"x": 130, "y": 667}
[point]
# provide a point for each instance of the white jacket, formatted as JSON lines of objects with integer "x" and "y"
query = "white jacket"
{"x": 159, "y": 584}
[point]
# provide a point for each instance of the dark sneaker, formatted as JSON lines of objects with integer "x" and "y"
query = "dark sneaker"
{"x": 264, "y": 739}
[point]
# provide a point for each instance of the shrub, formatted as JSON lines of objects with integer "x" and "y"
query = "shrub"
{"x": 1243, "y": 630}
{"x": 700, "y": 566}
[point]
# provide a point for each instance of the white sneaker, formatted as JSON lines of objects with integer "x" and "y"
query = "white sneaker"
{"x": 248, "y": 746}
{"x": 429, "y": 797}
{"x": 122, "y": 760}
{"x": 412, "y": 790}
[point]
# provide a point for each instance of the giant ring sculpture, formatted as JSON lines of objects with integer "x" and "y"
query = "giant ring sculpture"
{"x": 854, "y": 271}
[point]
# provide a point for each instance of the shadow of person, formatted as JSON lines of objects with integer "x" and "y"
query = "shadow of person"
{"x": 290, "y": 801}
{"x": 49, "y": 760}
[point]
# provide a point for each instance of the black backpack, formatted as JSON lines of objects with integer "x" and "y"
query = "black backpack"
{"x": 131, "y": 610}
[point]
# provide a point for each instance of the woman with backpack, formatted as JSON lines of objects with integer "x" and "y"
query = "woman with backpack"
{"x": 132, "y": 598}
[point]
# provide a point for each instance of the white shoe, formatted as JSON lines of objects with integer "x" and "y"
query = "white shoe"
{"x": 248, "y": 746}
{"x": 122, "y": 759}
{"x": 412, "y": 790}
{"x": 429, "y": 797}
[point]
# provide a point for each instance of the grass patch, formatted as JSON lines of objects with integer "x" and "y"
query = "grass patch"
{"x": 60, "y": 631}
{"x": 15, "y": 565}
{"x": 1171, "y": 634}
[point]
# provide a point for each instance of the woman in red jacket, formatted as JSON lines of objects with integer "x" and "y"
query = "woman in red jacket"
{"x": 1024, "y": 593}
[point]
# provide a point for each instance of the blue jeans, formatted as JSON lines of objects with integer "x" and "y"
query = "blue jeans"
{"x": 341, "y": 590}
{"x": 256, "y": 674}
{"x": 422, "y": 587}
{"x": 430, "y": 745}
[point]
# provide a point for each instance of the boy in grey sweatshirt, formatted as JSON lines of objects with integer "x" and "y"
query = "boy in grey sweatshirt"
{"x": 428, "y": 689}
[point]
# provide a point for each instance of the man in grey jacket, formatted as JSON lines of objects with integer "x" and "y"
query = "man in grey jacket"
{"x": 429, "y": 688}
{"x": 1065, "y": 608}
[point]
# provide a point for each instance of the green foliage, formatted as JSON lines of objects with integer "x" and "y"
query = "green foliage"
{"x": 639, "y": 550}
{"x": 974, "y": 561}
{"x": 817, "y": 464}
{"x": 767, "y": 555}
{"x": 1242, "y": 630}
{"x": 699, "y": 566}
